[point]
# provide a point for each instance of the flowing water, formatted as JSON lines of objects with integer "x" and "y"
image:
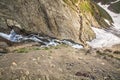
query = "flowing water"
{"x": 104, "y": 38}
{"x": 46, "y": 41}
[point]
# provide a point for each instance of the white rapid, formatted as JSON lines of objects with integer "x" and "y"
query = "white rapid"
{"x": 12, "y": 36}
{"x": 107, "y": 38}
{"x": 46, "y": 41}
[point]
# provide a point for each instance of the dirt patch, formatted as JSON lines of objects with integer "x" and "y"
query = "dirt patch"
{"x": 58, "y": 63}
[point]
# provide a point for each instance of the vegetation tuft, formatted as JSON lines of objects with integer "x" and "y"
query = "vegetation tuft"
{"x": 26, "y": 50}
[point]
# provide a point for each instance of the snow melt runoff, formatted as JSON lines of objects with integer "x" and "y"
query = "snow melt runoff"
{"x": 45, "y": 41}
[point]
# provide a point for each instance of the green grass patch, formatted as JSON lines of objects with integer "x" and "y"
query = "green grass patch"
{"x": 85, "y": 6}
{"x": 26, "y": 50}
{"x": 46, "y": 48}
{"x": 22, "y": 50}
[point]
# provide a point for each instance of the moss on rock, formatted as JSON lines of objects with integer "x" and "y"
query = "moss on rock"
{"x": 89, "y": 6}
{"x": 91, "y": 14}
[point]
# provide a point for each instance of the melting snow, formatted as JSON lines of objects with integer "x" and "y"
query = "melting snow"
{"x": 107, "y": 38}
{"x": 103, "y": 39}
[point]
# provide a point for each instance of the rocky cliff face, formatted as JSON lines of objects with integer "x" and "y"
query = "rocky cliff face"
{"x": 63, "y": 19}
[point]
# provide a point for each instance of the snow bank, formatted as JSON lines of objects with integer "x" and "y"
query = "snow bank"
{"x": 103, "y": 39}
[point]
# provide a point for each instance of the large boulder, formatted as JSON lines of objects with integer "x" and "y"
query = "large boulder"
{"x": 63, "y": 19}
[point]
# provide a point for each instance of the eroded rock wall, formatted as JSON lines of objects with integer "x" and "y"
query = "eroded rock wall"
{"x": 63, "y": 19}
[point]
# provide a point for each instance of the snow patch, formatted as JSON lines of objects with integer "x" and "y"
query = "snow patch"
{"x": 103, "y": 39}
